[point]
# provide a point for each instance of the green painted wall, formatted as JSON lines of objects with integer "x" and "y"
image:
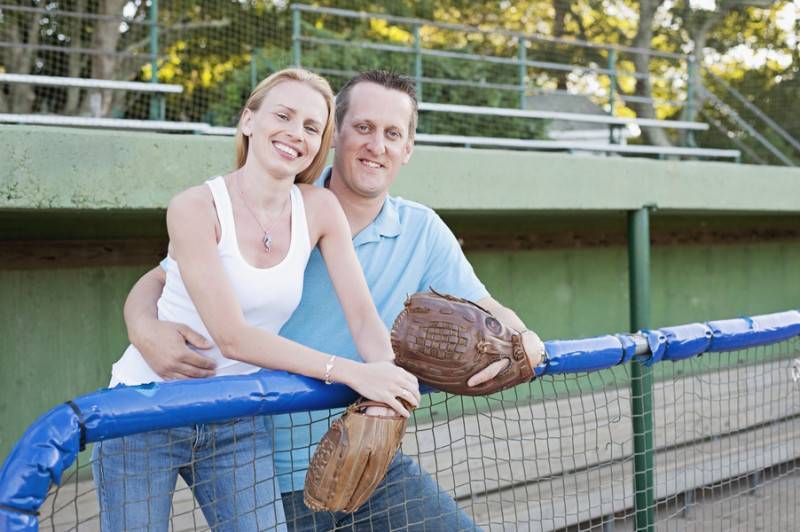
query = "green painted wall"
{"x": 60, "y": 168}
{"x": 62, "y": 328}
{"x": 545, "y": 232}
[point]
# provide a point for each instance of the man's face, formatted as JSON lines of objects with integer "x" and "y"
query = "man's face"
{"x": 373, "y": 141}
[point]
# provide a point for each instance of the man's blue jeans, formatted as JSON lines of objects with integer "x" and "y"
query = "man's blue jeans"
{"x": 407, "y": 499}
{"x": 229, "y": 467}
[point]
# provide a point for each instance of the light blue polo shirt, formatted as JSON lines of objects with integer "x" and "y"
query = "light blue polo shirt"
{"x": 406, "y": 249}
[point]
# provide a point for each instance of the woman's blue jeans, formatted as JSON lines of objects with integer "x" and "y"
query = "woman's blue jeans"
{"x": 229, "y": 467}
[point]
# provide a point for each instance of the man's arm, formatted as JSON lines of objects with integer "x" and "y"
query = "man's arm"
{"x": 451, "y": 273}
{"x": 163, "y": 344}
{"x": 530, "y": 340}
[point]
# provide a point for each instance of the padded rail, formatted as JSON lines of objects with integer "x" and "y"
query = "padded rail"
{"x": 52, "y": 443}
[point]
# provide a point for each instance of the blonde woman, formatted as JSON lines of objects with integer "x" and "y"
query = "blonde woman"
{"x": 238, "y": 249}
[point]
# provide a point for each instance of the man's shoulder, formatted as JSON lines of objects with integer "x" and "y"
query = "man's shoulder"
{"x": 413, "y": 212}
{"x": 420, "y": 224}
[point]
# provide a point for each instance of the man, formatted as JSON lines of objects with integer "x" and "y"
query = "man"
{"x": 403, "y": 248}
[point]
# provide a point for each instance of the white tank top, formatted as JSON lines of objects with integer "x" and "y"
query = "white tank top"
{"x": 268, "y": 296}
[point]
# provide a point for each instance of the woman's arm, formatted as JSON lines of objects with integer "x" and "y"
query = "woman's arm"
{"x": 191, "y": 223}
{"x": 336, "y": 245}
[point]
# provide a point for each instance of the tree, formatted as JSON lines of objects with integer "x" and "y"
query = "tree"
{"x": 209, "y": 48}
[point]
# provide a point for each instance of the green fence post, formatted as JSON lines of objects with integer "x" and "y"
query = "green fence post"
{"x": 418, "y": 61}
{"x": 253, "y": 68}
{"x": 641, "y": 376}
{"x": 612, "y": 92}
{"x": 691, "y": 87}
{"x": 296, "y": 50}
{"x": 523, "y": 70}
{"x": 157, "y": 107}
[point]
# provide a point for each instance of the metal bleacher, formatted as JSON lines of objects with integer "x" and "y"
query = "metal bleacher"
{"x": 619, "y": 128}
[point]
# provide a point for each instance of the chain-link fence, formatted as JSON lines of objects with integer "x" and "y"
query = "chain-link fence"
{"x": 562, "y": 59}
{"x": 557, "y": 453}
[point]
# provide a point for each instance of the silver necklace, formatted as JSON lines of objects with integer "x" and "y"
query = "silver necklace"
{"x": 267, "y": 238}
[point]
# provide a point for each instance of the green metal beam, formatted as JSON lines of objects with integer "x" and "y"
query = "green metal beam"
{"x": 641, "y": 376}
{"x": 523, "y": 72}
{"x": 418, "y": 61}
{"x": 157, "y": 110}
{"x": 691, "y": 89}
{"x": 296, "y": 44}
{"x": 612, "y": 93}
{"x": 254, "y": 68}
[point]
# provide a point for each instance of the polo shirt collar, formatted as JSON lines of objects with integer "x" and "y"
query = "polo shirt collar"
{"x": 324, "y": 177}
{"x": 386, "y": 224}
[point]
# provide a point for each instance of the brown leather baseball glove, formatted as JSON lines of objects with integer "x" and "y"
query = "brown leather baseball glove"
{"x": 352, "y": 459}
{"x": 445, "y": 340}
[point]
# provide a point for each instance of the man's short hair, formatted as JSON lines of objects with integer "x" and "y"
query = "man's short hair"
{"x": 388, "y": 80}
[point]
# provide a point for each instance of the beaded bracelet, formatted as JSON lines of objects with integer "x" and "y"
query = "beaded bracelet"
{"x": 328, "y": 369}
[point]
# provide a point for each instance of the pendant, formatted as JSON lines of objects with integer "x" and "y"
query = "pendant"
{"x": 267, "y": 240}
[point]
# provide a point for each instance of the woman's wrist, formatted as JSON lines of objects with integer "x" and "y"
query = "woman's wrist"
{"x": 342, "y": 370}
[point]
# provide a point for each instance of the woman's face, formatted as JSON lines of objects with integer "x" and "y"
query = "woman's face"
{"x": 286, "y": 131}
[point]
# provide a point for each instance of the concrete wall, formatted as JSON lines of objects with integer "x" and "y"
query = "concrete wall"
{"x": 60, "y": 168}
{"x": 81, "y": 217}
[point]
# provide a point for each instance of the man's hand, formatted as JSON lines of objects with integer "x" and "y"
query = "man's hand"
{"x": 165, "y": 346}
{"x": 461, "y": 347}
{"x": 533, "y": 347}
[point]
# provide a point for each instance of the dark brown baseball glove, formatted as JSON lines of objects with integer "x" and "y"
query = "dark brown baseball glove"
{"x": 445, "y": 340}
{"x": 352, "y": 459}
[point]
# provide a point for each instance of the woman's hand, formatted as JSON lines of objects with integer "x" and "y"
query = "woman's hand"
{"x": 386, "y": 383}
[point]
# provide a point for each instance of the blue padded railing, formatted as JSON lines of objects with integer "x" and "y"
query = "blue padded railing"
{"x": 52, "y": 443}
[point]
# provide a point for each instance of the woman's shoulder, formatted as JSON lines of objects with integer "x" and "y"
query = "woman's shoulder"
{"x": 323, "y": 210}
{"x": 317, "y": 197}
{"x": 192, "y": 201}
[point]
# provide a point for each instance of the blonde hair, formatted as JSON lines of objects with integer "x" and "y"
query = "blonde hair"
{"x": 255, "y": 100}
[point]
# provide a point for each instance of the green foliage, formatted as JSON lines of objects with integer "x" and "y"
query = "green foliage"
{"x": 208, "y": 48}
{"x": 338, "y": 63}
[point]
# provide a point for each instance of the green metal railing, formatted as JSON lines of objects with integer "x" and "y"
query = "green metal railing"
{"x": 521, "y": 61}
{"x": 641, "y": 375}
{"x": 157, "y": 102}
{"x": 684, "y": 76}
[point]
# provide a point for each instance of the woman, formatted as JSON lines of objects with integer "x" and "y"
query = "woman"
{"x": 237, "y": 254}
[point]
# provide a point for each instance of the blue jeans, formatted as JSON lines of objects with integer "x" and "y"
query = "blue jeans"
{"x": 407, "y": 499}
{"x": 228, "y": 466}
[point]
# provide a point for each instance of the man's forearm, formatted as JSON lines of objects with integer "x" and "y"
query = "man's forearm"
{"x": 504, "y": 314}
{"x": 530, "y": 340}
{"x": 141, "y": 304}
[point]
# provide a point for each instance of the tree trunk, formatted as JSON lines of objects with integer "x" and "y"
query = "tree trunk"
{"x": 22, "y": 96}
{"x": 561, "y": 9}
{"x": 75, "y": 61}
{"x": 699, "y": 25}
{"x": 641, "y": 61}
{"x": 106, "y": 38}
